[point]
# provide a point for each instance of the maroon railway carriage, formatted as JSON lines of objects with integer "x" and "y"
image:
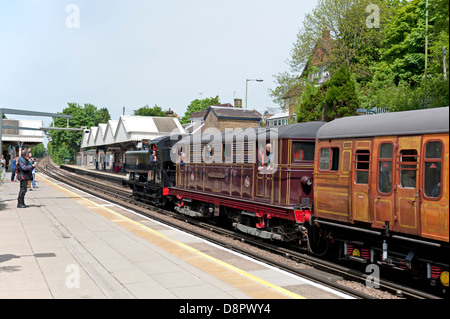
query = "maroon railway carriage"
{"x": 266, "y": 190}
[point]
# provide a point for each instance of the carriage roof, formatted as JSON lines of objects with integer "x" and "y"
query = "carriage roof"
{"x": 305, "y": 130}
{"x": 425, "y": 121}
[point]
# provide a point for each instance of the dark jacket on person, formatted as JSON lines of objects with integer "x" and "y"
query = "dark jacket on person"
{"x": 25, "y": 169}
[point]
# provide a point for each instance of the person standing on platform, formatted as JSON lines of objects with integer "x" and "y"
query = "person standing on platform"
{"x": 13, "y": 169}
{"x": 3, "y": 167}
{"x": 33, "y": 173}
{"x": 25, "y": 169}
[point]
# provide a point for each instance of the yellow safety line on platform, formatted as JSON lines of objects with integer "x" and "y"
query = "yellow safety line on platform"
{"x": 187, "y": 247}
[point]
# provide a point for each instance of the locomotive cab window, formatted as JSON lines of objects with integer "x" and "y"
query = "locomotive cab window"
{"x": 303, "y": 151}
{"x": 329, "y": 159}
{"x": 408, "y": 168}
{"x": 433, "y": 168}
{"x": 362, "y": 166}
{"x": 385, "y": 168}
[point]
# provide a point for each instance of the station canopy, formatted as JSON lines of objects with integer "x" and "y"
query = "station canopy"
{"x": 130, "y": 129}
{"x": 24, "y": 136}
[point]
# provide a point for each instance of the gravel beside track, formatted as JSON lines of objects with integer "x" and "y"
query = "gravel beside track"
{"x": 277, "y": 259}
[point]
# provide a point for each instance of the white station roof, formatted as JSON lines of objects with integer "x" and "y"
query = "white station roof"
{"x": 24, "y": 136}
{"x": 130, "y": 128}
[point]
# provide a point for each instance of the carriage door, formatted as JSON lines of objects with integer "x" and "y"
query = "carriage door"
{"x": 360, "y": 181}
{"x": 383, "y": 183}
{"x": 407, "y": 185}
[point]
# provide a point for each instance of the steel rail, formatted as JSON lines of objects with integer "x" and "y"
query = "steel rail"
{"x": 143, "y": 209}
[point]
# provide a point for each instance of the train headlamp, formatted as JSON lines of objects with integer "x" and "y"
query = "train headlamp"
{"x": 356, "y": 252}
{"x": 444, "y": 278}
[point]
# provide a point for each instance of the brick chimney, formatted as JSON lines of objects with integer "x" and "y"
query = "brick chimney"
{"x": 238, "y": 103}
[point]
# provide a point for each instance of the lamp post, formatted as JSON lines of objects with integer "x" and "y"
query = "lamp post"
{"x": 246, "y": 88}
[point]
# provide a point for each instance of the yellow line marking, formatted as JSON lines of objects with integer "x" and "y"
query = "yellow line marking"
{"x": 186, "y": 247}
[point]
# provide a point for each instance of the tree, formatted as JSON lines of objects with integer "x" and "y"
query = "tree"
{"x": 198, "y": 106}
{"x": 398, "y": 81}
{"x": 310, "y": 104}
{"x": 38, "y": 150}
{"x": 356, "y": 29}
{"x": 340, "y": 98}
{"x": 335, "y": 98}
{"x": 102, "y": 115}
{"x": 285, "y": 81}
{"x": 356, "y": 40}
{"x": 150, "y": 111}
{"x": 65, "y": 144}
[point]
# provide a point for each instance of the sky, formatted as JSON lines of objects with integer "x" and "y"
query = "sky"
{"x": 117, "y": 54}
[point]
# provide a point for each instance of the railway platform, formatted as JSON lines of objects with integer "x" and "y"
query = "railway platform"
{"x": 107, "y": 177}
{"x": 71, "y": 245}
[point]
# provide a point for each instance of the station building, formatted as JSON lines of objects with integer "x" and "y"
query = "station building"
{"x": 13, "y": 139}
{"x": 104, "y": 146}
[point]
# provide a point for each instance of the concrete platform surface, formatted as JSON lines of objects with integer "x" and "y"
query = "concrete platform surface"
{"x": 68, "y": 244}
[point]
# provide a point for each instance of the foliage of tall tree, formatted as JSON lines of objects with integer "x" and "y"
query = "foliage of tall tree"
{"x": 340, "y": 97}
{"x": 399, "y": 82}
{"x": 65, "y": 144}
{"x": 150, "y": 111}
{"x": 355, "y": 39}
{"x": 382, "y": 43}
{"x": 335, "y": 98}
{"x": 198, "y": 106}
{"x": 38, "y": 150}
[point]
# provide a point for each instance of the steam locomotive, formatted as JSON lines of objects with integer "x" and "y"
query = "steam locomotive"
{"x": 374, "y": 187}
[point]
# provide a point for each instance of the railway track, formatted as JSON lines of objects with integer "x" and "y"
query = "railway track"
{"x": 254, "y": 248}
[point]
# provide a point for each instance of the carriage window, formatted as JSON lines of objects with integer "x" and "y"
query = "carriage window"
{"x": 324, "y": 158}
{"x": 303, "y": 151}
{"x": 408, "y": 168}
{"x": 385, "y": 168}
{"x": 226, "y": 154}
{"x": 249, "y": 147}
{"x": 362, "y": 166}
{"x": 208, "y": 153}
{"x": 329, "y": 159}
{"x": 433, "y": 167}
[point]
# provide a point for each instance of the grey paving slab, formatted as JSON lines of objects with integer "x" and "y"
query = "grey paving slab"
{"x": 61, "y": 247}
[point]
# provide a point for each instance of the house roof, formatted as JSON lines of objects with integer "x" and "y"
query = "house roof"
{"x": 278, "y": 116}
{"x": 198, "y": 115}
{"x": 225, "y": 112}
{"x": 319, "y": 57}
{"x": 321, "y": 52}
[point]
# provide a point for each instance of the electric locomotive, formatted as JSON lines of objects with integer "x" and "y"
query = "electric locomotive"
{"x": 260, "y": 179}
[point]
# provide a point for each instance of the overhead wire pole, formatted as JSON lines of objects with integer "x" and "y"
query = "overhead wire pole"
{"x": 1, "y": 130}
{"x": 426, "y": 54}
